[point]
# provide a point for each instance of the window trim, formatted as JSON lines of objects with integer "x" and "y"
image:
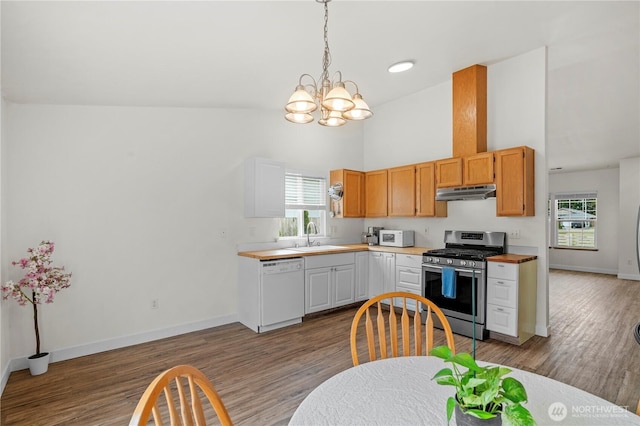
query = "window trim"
{"x": 318, "y": 203}
{"x": 554, "y": 221}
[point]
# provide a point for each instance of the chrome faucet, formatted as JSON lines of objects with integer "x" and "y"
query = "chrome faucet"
{"x": 315, "y": 231}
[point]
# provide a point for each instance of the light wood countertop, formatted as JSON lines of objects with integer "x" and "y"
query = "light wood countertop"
{"x": 511, "y": 258}
{"x": 288, "y": 253}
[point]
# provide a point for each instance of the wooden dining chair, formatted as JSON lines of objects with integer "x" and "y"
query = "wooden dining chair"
{"x": 387, "y": 329}
{"x": 183, "y": 387}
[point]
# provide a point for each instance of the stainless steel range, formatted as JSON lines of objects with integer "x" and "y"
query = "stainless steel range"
{"x": 455, "y": 274}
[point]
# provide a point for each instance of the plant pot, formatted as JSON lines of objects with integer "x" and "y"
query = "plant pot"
{"x": 39, "y": 364}
{"x": 463, "y": 419}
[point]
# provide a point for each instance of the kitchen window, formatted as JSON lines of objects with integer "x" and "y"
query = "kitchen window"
{"x": 305, "y": 202}
{"x": 575, "y": 218}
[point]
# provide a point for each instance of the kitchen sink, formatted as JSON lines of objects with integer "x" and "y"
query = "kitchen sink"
{"x": 317, "y": 248}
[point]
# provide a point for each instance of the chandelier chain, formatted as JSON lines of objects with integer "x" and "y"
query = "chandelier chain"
{"x": 326, "y": 57}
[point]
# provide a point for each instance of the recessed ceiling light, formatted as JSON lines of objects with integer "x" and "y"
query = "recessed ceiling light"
{"x": 401, "y": 66}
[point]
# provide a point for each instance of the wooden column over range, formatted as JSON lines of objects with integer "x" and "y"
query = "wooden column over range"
{"x": 470, "y": 111}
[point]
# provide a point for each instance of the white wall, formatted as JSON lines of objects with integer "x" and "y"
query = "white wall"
{"x": 418, "y": 128}
{"x": 5, "y": 344}
{"x": 135, "y": 200}
{"x": 606, "y": 183}
{"x": 628, "y": 219}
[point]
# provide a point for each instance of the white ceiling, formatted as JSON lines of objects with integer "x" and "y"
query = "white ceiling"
{"x": 249, "y": 54}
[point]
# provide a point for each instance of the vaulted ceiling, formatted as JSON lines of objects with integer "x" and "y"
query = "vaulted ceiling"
{"x": 249, "y": 54}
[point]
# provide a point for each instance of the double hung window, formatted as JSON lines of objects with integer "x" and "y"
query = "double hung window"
{"x": 305, "y": 202}
{"x": 574, "y": 220}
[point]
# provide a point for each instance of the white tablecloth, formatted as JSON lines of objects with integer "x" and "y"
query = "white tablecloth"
{"x": 399, "y": 391}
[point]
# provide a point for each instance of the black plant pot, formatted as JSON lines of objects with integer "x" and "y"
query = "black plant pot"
{"x": 463, "y": 419}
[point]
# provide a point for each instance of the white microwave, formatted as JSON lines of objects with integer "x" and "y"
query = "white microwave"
{"x": 389, "y": 237}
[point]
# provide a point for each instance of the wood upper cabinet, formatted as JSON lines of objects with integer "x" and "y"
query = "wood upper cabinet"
{"x": 515, "y": 188}
{"x": 401, "y": 191}
{"x": 449, "y": 172}
{"x": 376, "y": 193}
{"x": 469, "y": 170}
{"x": 478, "y": 169}
{"x": 469, "y": 110}
{"x": 352, "y": 203}
{"x": 426, "y": 204}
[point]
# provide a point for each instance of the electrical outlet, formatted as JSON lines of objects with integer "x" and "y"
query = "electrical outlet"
{"x": 155, "y": 304}
{"x": 514, "y": 234}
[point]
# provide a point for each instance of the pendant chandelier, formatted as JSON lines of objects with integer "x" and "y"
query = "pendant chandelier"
{"x": 331, "y": 96}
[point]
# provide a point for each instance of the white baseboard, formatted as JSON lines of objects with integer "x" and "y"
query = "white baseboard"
{"x": 585, "y": 269}
{"x": 5, "y": 377}
{"x": 118, "y": 342}
{"x": 634, "y": 277}
{"x": 542, "y": 331}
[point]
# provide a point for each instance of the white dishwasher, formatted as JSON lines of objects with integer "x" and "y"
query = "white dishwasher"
{"x": 281, "y": 293}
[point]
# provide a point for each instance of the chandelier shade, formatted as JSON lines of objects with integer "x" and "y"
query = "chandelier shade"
{"x": 330, "y": 96}
{"x": 299, "y": 118}
{"x": 338, "y": 99}
{"x": 301, "y": 101}
{"x": 332, "y": 119}
{"x": 360, "y": 111}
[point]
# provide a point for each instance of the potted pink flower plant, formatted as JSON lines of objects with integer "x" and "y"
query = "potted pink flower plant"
{"x": 39, "y": 285}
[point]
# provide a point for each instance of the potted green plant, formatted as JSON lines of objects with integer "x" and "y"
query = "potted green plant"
{"x": 481, "y": 392}
{"x": 39, "y": 285}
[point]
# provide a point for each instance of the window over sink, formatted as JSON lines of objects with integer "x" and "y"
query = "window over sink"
{"x": 305, "y": 202}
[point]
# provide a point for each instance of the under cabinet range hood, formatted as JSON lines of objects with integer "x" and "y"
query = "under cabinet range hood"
{"x": 480, "y": 192}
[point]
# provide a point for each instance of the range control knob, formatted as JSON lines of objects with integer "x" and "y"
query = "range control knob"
{"x": 463, "y": 262}
{"x": 449, "y": 261}
{"x": 472, "y": 264}
{"x": 436, "y": 260}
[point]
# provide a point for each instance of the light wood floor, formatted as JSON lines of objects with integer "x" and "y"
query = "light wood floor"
{"x": 262, "y": 378}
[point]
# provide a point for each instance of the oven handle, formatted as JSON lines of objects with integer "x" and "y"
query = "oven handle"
{"x": 468, "y": 271}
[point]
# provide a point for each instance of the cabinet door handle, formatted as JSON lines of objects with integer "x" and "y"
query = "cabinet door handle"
{"x": 500, "y": 282}
{"x": 500, "y": 309}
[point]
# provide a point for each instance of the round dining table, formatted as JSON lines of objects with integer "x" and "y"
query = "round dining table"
{"x": 400, "y": 391}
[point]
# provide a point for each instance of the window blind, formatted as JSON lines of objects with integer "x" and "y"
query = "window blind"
{"x": 575, "y": 195}
{"x": 304, "y": 192}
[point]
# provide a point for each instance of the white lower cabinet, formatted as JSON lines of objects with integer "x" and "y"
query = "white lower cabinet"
{"x": 408, "y": 277}
{"x": 382, "y": 272}
{"x": 329, "y": 281}
{"x": 362, "y": 276}
{"x": 511, "y": 300}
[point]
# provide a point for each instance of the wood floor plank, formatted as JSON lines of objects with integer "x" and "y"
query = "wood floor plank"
{"x": 262, "y": 378}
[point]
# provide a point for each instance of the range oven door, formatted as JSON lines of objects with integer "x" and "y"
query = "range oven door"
{"x": 461, "y": 306}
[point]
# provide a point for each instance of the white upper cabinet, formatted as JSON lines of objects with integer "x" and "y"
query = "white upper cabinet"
{"x": 263, "y": 188}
